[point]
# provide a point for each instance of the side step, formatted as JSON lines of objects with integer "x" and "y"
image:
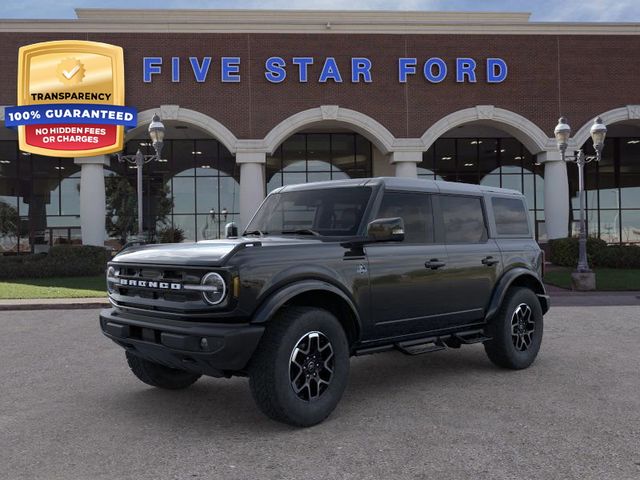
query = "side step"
{"x": 468, "y": 338}
{"x": 418, "y": 347}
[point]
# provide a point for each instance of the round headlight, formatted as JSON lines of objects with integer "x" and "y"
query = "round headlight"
{"x": 216, "y": 289}
{"x": 111, "y": 273}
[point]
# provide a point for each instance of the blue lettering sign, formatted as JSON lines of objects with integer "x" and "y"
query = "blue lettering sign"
{"x": 330, "y": 70}
{"x": 175, "y": 69}
{"x": 303, "y": 64}
{"x": 496, "y": 70}
{"x": 406, "y": 66}
{"x": 465, "y": 67}
{"x": 275, "y": 69}
{"x": 200, "y": 71}
{"x": 151, "y": 66}
{"x": 230, "y": 69}
{"x": 428, "y": 70}
{"x": 360, "y": 67}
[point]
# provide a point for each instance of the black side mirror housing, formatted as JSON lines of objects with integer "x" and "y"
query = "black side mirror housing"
{"x": 386, "y": 230}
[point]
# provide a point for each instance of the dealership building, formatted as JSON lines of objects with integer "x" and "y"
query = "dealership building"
{"x": 252, "y": 100}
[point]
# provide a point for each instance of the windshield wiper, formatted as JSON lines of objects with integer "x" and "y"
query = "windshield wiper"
{"x": 302, "y": 231}
{"x": 255, "y": 232}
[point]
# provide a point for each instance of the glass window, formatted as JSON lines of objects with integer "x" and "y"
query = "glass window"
{"x": 463, "y": 219}
{"x": 183, "y": 195}
{"x": 511, "y": 216}
{"x": 334, "y": 212}
{"x": 314, "y": 157}
{"x": 319, "y": 152}
{"x": 445, "y": 157}
{"x": 631, "y": 226}
{"x": 415, "y": 211}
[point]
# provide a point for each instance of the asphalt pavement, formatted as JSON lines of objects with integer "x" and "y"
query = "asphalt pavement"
{"x": 70, "y": 409}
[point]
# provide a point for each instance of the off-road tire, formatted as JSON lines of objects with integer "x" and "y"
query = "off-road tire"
{"x": 270, "y": 377}
{"x": 502, "y": 349}
{"x": 158, "y": 375}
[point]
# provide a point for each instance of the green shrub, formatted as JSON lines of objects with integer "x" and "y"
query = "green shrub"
{"x": 564, "y": 252}
{"x": 171, "y": 235}
{"x": 61, "y": 261}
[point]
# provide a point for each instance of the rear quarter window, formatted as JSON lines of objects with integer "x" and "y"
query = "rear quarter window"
{"x": 511, "y": 216}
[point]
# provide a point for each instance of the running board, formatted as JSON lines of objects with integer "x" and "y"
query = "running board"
{"x": 429, "y": 344}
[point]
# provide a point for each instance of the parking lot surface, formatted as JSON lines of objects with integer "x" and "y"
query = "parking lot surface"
{"x": 70, "y": 409}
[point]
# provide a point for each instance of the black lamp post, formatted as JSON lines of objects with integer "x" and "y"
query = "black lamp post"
{"x": 598, "y": 133}
{"x": 156, "y": 133}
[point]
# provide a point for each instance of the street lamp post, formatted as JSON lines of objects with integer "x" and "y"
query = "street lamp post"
{"x": 156, "y": 133}
{"x": 562, "y": 133}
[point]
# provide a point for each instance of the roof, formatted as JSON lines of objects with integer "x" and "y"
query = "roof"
{"x": 403, "y": 183}
{"x": 160, "y": 21}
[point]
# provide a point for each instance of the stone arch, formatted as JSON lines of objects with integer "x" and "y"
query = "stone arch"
{"x": 527, "y": 132}
{"x": 621, "y": 114}
{"x": 197, "y": 119}
{"x": 373, "y": 130}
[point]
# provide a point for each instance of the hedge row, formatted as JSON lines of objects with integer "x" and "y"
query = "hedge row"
{"x": 61, "y": 261}
{"x": 564, "y": 252}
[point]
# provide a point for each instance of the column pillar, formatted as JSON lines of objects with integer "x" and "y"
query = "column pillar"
{"x": 93, "y": 208}
{"x": 406, "y": 163}
{"x": 556, "y": 194}
{"x": 252, "y": 184}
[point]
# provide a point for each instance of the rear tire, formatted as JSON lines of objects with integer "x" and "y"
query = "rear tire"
{"x": 160, "y": 376}
{"x": 516, "y": 330}
{"x": 301, "y": 366}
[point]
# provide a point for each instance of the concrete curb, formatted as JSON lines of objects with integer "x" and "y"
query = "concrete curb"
{"x": 53, "y": 304}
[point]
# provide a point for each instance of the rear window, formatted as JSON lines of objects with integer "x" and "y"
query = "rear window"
{"x": 463, "y": 219}
{"x": 511, "y": 216}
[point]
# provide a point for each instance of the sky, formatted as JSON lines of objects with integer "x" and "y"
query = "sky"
{"x": 542, "y": 10}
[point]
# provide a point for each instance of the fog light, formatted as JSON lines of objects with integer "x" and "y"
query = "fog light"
{"x": 204, "y": 344}
{"x": 215, "y": 288}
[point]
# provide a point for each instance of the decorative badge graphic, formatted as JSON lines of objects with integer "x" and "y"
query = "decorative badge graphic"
{"x": 70, "y": 99}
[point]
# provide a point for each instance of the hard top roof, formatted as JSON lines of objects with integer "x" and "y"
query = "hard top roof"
{"x": 403, "y": 183}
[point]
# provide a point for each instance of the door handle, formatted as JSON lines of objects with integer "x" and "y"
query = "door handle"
{"x": 489, "y": 261}
{"x": 434, "y": 264}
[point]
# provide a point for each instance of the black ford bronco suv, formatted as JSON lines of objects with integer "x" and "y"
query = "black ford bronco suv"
{"x": 329, "y": 270}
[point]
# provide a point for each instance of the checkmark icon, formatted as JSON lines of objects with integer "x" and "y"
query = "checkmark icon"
{"x": 71, "y": 73}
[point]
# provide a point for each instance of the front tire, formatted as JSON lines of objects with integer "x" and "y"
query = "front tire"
{"x": 160, "y": 376}
{"x": 516, "y": 330}
{"x": 300, "y": 369}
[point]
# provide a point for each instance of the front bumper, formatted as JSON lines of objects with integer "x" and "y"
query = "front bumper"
{"x": 205, "y": 348}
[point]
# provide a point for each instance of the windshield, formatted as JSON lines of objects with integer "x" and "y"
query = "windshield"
{"x": 327, "y": 212}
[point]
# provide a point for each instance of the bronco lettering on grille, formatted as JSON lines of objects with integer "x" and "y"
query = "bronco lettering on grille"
{"x": 149, "y": 284}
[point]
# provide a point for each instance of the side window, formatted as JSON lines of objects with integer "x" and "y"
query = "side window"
{"x": 415, "y": 211}
{"x": 463, "y": 219}
{"x": 511, "y": 216}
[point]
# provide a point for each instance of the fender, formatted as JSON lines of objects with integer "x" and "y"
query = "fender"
{"x": 271, "y": 305}
{"x": 507, "y": 280}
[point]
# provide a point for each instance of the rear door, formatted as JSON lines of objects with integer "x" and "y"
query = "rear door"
{"x": 407, "y": 291}
{"x": 474, "y": 259}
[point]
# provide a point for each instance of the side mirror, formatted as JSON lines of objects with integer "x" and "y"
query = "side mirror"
{"x": 230, "y": 230}
{"x": 386, "y": 230}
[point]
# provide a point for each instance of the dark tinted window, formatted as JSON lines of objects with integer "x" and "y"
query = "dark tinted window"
{"x": 463, "y": 219}
{"x": 511, "y": 216}
{"x": 331, "y": 211}
{"x": 415, "y": 211}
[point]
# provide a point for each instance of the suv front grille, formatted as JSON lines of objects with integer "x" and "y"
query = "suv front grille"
{"x": 160, "y": 289}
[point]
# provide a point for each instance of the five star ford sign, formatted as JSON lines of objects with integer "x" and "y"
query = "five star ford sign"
{"x": 70, "y": 99}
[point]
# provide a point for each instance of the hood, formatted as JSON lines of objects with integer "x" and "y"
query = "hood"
{"x": 213, "y": 253}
